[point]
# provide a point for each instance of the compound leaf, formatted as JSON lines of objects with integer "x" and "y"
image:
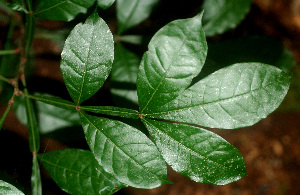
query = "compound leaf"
{"x": 7, "y": 189}
{"x": 236, "y": 96}
{"x": 176, "y": 55}
{"x": 222, "y": 15}
{"x": 104, "y": 4}
{"x": 62, "y": 10}
{"x": 77, "y": 172}
{"x": 124, "y": 152}
{"x": 87, "y": 58}
{"x": 197, "y": 153}
{"x": 130, "y": 13}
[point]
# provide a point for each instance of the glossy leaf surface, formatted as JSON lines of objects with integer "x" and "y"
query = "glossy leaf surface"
{"x": 77, "y": 172}
{"x": 87, "y": 58}
{"x": 104, "y": 4}
{"x": 222, "y": 15}
{"x": 124, "y": 152}
{"x": 36, "y": 185}
{"x": 8, "y": 189}
{"x": 112, "y": 111}
{"x": 131, "y": 13}
{"x": 175, "y": 56}
{"x": 62, "y": 10}
{"x": 233, "y": 97}
{"x": 197, "y": 153}
{"x": 123, "y": 76}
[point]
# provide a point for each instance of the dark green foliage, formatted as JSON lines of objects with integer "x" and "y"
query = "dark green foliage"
{"x": 77, "y": 172}
{"x": 63, "y": 10}
{"x": 222, "y": 15}
{"x": 84, "y": 64}
{"x": 166, "y": 91}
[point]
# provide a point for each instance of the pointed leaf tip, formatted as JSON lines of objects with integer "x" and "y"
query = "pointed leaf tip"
{"x": 222, "y": 15}
{"x": 175, "y": 56}
{"x": 197, "y": 153}
{"x": 124, "y": 152}
{"x": 105, "y": 4}
{"x": 131, "y": 13}
{"x": 233, "y": 97}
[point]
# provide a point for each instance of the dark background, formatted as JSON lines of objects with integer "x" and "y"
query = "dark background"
{"x": 271, "y": 148}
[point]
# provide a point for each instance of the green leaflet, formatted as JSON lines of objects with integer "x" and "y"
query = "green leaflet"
{"x": 123, "y": 76}
{"x": 104, "y": 4}
{"x": 176, "y": 55}
{"x": 112, "y": 111}
{"x": 36, "y": 185}
{"x": 130, "y": 13}
{"x": 77, "y": 172}
{"x": 124, "y": 152}
{"x": 222, "y": 15}
{"x": 61, "y": 10}
{"x": 197, "y": 153}
{"x": 8, "y": 189}
{"x": 233, "y": 97}
{"x": 87, "y": 58}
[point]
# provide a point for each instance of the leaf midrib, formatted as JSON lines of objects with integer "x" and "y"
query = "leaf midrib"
{"x": 165, "y": 74}
{"x": 77, "y": 172}
{"x": 192, "y": 151}
{"x": 145, "y": 168}
{"x": 206, "y": 104}
{"x": 61, "y": 2}
{"x": 85, "y": 64}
